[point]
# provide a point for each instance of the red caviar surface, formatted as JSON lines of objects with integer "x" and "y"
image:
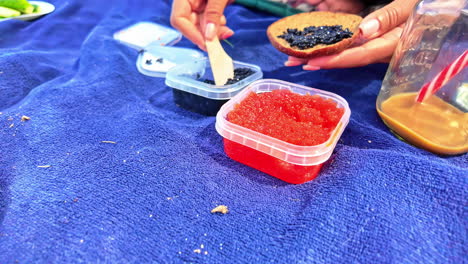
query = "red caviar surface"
{"x": 304, "y": 120}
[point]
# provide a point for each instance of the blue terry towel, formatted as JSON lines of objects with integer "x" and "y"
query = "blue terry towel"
{"x": 109, "y": 170}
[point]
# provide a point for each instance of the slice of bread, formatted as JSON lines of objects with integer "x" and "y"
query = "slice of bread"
{"x": 302, "y": 20}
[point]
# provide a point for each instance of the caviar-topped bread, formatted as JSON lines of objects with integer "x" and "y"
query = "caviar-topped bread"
{"x": 307, "y": 35}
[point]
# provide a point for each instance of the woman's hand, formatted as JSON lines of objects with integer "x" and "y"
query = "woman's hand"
{"x": 379, "y": 34}
{"x": 200, "y": 20}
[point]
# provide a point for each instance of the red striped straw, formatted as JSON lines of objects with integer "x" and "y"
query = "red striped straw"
{"x": 443, "y": 77}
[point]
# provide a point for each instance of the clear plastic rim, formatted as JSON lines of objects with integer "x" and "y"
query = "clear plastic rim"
{"x": 223, "y": 126}
{"x": 209, "y": 88}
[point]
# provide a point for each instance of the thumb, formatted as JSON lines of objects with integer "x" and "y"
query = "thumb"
{"x": 212, "y": 17}
{"x": 386, "y": 18}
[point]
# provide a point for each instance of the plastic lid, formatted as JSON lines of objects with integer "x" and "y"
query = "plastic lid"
{"x": 156, "y": 60}
{"x": 144, "y": 34}
{"x": 189, "y": 78}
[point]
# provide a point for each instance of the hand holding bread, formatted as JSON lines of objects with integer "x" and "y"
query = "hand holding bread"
{"x": 306, "y": 38}
{"x": 379, "y": 35}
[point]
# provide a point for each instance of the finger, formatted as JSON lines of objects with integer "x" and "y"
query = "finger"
{"x": 314, "y": 2}
{"x": 195, "y": 19}
{"x": 182, "y": 19}
{"x": 386, "y": 18}
{"x": 180, "y": 8}
{"x": 189, "y": 30}
{"x": 323, "y": 6}
{"x": 197, "y": 6}
{"x": 346, "y": 6}
{"x": 202, "y": 47}
{"x": 376, "y": 50}
{"x": 310, "y": 68}
{"x": 222, "y": 21}
{"x": 360, "y": 40}
{"x": 296, "y": 59}
{"x": 212, "y": 17}
{"x": 385, "y": 60}
{"x": 293, "y": 61}
{"x": 225, "y": 32}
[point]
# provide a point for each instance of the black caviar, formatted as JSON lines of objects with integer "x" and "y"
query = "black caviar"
{"x": 150, "y": 62}
{"x": 311, "y": 36}
{"x": 197, "y": 103}
{"x": 239, "y": 74}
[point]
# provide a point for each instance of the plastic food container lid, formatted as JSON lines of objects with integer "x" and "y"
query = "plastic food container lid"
{"x": 189, "y": 78}
{"x": 291, "y": 153}
{"x": 144, "y": 34}
{"x": 156, "y": 60}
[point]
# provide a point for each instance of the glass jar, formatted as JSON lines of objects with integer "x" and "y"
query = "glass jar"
{"x": 434, "y": 36}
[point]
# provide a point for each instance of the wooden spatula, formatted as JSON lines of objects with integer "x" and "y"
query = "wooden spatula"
{"x": 221, "y": 64}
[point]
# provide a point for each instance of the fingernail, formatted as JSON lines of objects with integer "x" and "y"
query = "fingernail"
{"x": 310, "y": 68}
{"x": 210, "y": 31}
{"x": 369, "y": 28}
{"x": 227, "y": 34}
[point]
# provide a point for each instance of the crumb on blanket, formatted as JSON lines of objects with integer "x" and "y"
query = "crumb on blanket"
{"x": 220, "y": 209}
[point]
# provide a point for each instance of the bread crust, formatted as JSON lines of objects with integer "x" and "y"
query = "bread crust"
{"x": 302, "y": 20}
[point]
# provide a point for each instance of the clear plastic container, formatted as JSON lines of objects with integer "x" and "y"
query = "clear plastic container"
{"x": 192, "y": 93}
{"x": 288, "y": 162}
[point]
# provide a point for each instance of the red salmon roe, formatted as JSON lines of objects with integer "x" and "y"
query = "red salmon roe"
{"x": 304, "y": 120}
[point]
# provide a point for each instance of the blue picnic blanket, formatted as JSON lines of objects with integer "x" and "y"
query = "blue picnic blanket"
{"x": 109, "y": 170}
